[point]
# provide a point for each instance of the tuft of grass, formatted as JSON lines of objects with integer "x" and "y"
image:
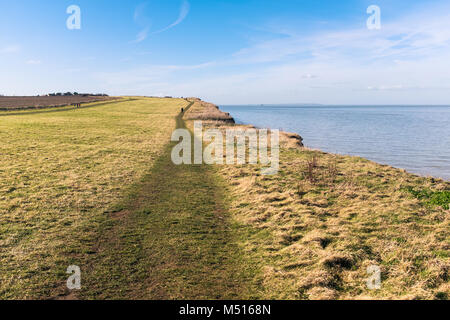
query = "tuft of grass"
{"x": 333, "y": 170}
{"x": 312, "y": 163}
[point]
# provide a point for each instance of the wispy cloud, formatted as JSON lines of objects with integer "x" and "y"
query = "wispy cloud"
{"x": 351, "y": 44}
{"x": 184, "y": 11}
{"x": 400, "y": 87}
{"x": 149, "y": 73}
{"x": 405, "y": 39}
{"x": 140, "y": 19}
{"x": 309, "y": 76}
{"x": 144, "y": 53}
{"x": 141, "y": 36}
{"x": 10, "y": 49}
{"x": 347, "y": 65}
{"x": 144, "y": 22}
{"x": 34, "y": 62}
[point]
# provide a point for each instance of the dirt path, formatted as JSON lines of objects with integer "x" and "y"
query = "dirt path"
{"x": 172, "y": 239}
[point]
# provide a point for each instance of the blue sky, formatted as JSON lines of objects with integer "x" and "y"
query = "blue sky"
{"x": 230, "y": 52}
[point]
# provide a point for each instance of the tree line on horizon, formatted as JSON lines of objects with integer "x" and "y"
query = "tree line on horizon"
{"x": 59, "y": 94}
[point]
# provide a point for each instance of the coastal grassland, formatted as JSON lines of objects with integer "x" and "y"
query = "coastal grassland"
{"x": 324, "y": 219}
{"x": 174, "y": 240}
{"x": 206, "y": 111}
{"x": 313, "y": 229}
{"x": 59, "y": 173}
{"x": 96, "y": 187}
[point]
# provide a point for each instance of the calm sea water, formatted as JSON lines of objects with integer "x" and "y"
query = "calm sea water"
{"x": 416, "y": 138}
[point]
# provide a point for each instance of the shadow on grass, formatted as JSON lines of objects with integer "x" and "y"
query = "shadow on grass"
{"x": 172, "y": 238}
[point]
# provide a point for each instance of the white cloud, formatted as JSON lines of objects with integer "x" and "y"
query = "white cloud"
{"x": 401, "y": 87}
{"x": 34, "y": 62}
{"x": 145, "y": 74}
{"x": 184, "y": 11}
{"x": 404, "y": 39}
{"x": 140, "y": 19}
{"x": 10, "y": 49}
{"x": 141, "y": 36}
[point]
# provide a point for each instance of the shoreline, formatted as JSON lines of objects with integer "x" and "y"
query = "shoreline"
{"x": 348, "y": 155}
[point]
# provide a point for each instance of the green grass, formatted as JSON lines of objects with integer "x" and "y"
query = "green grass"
{"x": 59, "y": 172}
{"x": 171, "y": 239}
{"x": 436, "y": 198}
{"x": 96, "y": 188}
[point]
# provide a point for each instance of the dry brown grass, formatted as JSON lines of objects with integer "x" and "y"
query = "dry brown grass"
{"x": 338, "y": 226}
{"x": 206, "y": 111}
{"x": 59, "y": 173}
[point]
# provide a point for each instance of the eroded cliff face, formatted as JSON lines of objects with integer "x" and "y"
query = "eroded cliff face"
{"x": 211, "y": 113}
{"x": 206, "y": 111}
{"x": 291, "y": 140}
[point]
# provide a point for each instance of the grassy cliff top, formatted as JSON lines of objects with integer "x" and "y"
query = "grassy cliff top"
{"x": 324, "y": 219}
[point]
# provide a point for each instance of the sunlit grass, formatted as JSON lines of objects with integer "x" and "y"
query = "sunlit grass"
{"x": 316, "y": 226}
{"x": 59, "y": 173}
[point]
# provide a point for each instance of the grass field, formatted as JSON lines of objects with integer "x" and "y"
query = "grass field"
{"x": 21, "y": 103}
{"x": 174, "y": 238}
{"x": 96, "y": 187}
{"x": 315, "y": 240}
{"x": 59, "y": 173}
